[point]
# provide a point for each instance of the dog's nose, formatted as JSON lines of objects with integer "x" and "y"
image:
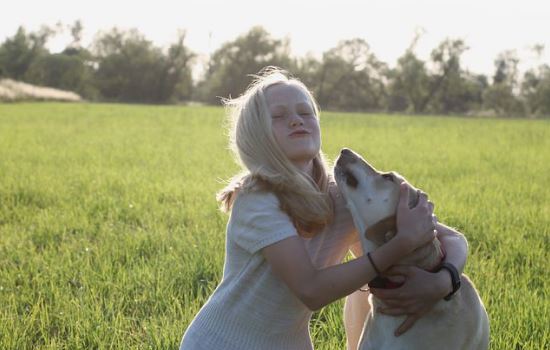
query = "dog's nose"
{"x": 346, "y": 152}
{"x": 346, "y": 157}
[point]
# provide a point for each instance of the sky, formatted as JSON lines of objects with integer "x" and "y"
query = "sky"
{"x": 488, "y": 27}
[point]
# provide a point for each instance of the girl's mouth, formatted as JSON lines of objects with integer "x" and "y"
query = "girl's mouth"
{"x": 299, "y": 133}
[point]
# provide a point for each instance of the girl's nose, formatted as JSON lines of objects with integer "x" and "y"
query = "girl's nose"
{"x": 296, "y": 121}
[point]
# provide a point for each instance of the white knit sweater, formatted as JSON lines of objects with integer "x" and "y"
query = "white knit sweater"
{"x": 251, "y": 308}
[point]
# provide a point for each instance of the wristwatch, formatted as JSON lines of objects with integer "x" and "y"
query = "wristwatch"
{"x": 455, "y": 278}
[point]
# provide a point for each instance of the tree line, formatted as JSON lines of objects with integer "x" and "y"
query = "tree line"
{"x": 124, "y": 66}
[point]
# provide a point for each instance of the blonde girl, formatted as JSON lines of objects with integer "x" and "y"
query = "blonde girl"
{"x": 289, "y": 231}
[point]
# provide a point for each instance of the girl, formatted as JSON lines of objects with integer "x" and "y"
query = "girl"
{"x": 289, "y": 231}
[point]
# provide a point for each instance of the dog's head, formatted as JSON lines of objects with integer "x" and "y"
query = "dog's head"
{"x": 371, "y": 196}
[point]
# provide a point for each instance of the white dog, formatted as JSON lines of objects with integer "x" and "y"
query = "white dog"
{"x": 459, "y": 323}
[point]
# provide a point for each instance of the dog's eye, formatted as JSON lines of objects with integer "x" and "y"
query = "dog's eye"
{"x": 388, "y": 176}
{"x": 351, "y": 180}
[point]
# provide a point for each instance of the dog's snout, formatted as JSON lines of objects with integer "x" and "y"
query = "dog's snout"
{"x": 346, "y": 156}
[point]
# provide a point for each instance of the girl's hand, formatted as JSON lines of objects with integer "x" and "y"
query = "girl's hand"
{"x": 415, "y": 226}
{"x": 415, "y": 297}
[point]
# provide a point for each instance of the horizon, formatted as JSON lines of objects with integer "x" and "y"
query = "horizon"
{"x": 488, "y": 28}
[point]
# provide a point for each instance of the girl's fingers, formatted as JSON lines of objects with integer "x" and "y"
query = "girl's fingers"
{"x": 422, "y": 199}
{"x": 406, "y": 325}
{"x": 404, "y": 196}
{"x": 429, "y": 236}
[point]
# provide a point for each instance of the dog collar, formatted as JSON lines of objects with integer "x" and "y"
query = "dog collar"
{"x": 383, "y": 283}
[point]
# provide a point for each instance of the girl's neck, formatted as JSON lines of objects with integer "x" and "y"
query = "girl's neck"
{"x": 305, "y": 166}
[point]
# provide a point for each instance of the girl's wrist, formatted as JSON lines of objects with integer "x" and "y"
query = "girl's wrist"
{"x": 444, "y": 282}
{"x": 389, "y": 253}
{"x": 401, "y": 246}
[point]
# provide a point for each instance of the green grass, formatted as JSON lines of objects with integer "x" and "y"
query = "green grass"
{"x": 110, "y": 235}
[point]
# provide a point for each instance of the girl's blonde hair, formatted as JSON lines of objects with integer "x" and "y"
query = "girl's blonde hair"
{"x": 265, "y": 167}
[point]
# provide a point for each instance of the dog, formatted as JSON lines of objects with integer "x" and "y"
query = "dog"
{"x": 372, "y": 197}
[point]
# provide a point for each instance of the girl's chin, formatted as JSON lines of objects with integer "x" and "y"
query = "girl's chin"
{"x": 309, "y": 154}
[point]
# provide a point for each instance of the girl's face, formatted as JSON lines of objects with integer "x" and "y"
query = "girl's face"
{"x": 294, "y": 123}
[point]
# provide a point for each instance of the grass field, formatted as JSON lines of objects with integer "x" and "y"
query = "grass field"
{"x": 110, "y": 235}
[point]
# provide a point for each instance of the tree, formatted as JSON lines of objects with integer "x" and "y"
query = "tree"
{"x": 408, "y": 81}
{"x": 63, "y": 71}
{"x": 69, "y": 70}
{"x": 230, "y": 67}
{"x": 409, "y": 84}
{"x": 76, "y": 32}
{"x": 448, "y": 91}
{"x": 471, "y": 98}
{"x": 131, "y": 69}
{"x": 18, "y": 52}
{"x": 351, "y": 78}
{"x": 506, "y": 71}
{"x": 445, "y": 88}
{"x": 536, "y": 90}
{"x": 308, "y": 69}
{"x": 502, "y": 95}
{"x": 178, "y": 81}
{"x": 535, "y": 87}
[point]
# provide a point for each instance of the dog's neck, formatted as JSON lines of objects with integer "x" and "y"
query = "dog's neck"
{"x": 378, "y": 232}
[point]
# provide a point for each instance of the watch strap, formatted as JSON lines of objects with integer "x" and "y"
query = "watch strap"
{"x": 455, "y": 278}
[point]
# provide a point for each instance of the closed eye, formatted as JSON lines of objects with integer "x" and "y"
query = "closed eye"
{"x": 387, "y": 176}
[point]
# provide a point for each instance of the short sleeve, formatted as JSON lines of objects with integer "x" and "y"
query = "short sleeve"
{"x": 257, "y": 221}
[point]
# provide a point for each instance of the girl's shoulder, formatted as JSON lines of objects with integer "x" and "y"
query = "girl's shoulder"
{"x": 255, "y": 200}
{"x": 257, "y": 221}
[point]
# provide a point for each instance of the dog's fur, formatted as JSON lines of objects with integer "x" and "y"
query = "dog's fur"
{"x": 460, "y": 323}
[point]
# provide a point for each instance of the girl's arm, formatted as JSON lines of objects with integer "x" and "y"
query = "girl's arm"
{"x": 319, "y": 287}
{"x": 455, "y": 244}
